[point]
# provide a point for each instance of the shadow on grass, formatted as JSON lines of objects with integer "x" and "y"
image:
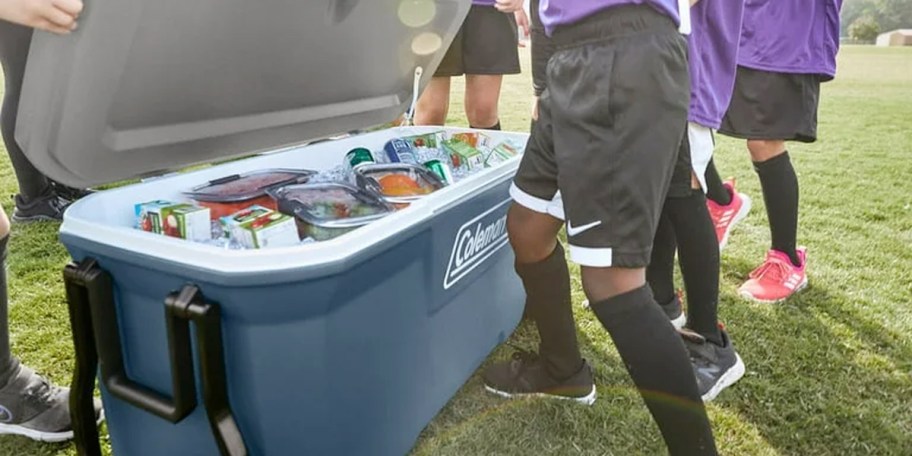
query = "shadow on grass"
{"x": 822, "y": 379}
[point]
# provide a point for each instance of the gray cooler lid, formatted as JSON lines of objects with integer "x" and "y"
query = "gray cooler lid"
{"x": 148, "y": 86}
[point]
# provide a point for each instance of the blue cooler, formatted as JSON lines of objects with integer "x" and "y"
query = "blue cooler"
{"x": 343, "y": 347}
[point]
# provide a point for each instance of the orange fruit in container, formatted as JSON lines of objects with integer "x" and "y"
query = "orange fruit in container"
{"x": 400, "y": 185}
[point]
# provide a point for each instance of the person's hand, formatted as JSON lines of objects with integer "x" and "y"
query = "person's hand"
{"x": 535, "y": 109}
{"x": 57, "y": 16}
{"x": 505, "y": 6}
{"x": 522, "y": 23}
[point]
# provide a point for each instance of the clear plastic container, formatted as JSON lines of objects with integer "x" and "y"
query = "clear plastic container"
{"x": 399, "y": 184}
{"x": 233, "y": 193}
{"x": 329, "y": 210}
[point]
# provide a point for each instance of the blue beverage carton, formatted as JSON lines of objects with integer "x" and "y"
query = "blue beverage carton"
{"x": 400, "y": 151}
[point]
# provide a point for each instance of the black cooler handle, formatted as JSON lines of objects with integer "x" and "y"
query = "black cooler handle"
{"x": 96, "y": 339}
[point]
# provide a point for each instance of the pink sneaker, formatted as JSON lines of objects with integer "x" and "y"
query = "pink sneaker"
{"x": 777, "y": 278}
{"x": 725, "y": 218}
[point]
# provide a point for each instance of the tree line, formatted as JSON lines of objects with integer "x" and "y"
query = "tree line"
{"x": 863, "y": 20}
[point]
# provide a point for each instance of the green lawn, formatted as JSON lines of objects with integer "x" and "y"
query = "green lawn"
{"x": 828, "y": 373}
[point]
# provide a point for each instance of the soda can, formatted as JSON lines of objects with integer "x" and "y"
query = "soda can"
{"x": 359, "y": 156}
{"x": 400, "y": 151}
{"x": 441, "y": 170}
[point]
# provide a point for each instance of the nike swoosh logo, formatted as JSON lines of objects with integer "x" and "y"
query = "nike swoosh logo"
{"x": 5, "y": 415}
{"x": 576, "y": 231}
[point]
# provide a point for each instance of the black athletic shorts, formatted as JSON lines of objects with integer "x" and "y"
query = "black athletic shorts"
{"x": 487, "y": 43}
{"x": 542, "y": 49}
{"x": 611, "y": 121}
{"x": 773, "y": 106}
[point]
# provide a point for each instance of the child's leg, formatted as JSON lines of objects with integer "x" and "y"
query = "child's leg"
{"x": 7, "y": 362}
{"x": 14, "y": 47}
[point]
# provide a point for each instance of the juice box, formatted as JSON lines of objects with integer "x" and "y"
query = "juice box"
{"x": 258, "y": 227}
{"x": 429, "y": 140}
{"x": 464, "y": 155}
{"x": 230, "y": 223}
{"x": 500, "y": 154}
{"x": 180, "y": 220}
{"x": 186, "y": 221}
{"x": 477, "y": 140}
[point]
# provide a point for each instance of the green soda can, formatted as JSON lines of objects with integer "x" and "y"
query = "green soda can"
{"x": 441, "y": 170}
{"x": 359, "y": 156}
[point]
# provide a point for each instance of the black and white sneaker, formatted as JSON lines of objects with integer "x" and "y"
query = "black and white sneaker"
{"x": 716, "y": 367}
{"x": 33, "y": 408}
{"x": 525, "y": 375}
{"x": 675, "y": 312}
{"x": 48, "y": 207}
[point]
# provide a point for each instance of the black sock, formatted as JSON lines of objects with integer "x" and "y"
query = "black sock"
{"x": 698, "y": 254}
{"x": 660, "y": 273}
{"x": 780, "y": 192}
{"x": 547, "y": 286}
{"x": 659, "y": 365}
{"x": 715, "y": 191}
{"x": 7, "y": 362}
{"x": 495, "y": 127}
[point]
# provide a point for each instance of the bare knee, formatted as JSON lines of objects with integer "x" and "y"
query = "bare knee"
{"x": 482, "y": 114}
{"x": 601, "y": 284}
{"x": 763, "y": 150}
{"x": 434, "y": 103}
{"x": 533, "y": 235}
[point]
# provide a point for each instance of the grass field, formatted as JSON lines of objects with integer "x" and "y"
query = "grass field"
{"x": 828, "y": 373}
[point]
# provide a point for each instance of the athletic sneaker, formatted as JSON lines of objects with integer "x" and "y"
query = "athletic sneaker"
{"x": 48, "y": 207}
{"x": 31, "y": 407}
{"x": 70, "y": 193}
{"x": 725, "y": 218}
{"x": 673, "y": 309}
{"x": 777, "y": 278}
{"x": 716, "y": 367}
{"x": 525, "y": 375}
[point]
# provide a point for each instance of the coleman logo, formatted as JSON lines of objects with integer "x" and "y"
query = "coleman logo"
{"x": 475, "y": 242}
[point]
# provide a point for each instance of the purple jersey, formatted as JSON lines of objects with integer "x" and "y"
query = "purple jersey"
{"x": 713, "y": 52}
{"x": 791, "y": 36}
{"x": 483, "y": 2}
{"x": 564, "y": 12}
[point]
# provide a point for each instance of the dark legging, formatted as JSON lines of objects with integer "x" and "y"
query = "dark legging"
{"x": 7, "y": 362}
{"x": 14, "y": 46}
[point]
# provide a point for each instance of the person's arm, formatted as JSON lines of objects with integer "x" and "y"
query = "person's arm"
{"x": 522, "y": 23}
{"x": 57, "y": 16}
{"x": 693, "y": 2}
{"x": 504, "y": 6}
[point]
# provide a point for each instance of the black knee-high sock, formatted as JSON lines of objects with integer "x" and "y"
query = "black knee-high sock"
{"x": 7, "y": 362}
{"x": 715, "y": 191}
{"x": 547, "y": 286}
{"x": 495, "y": 127}
{"x": 698, "y": 254}
{"x": 658, "y": 363}
{"x": 780, "y": 192}
{"x": 660, "y": 273}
